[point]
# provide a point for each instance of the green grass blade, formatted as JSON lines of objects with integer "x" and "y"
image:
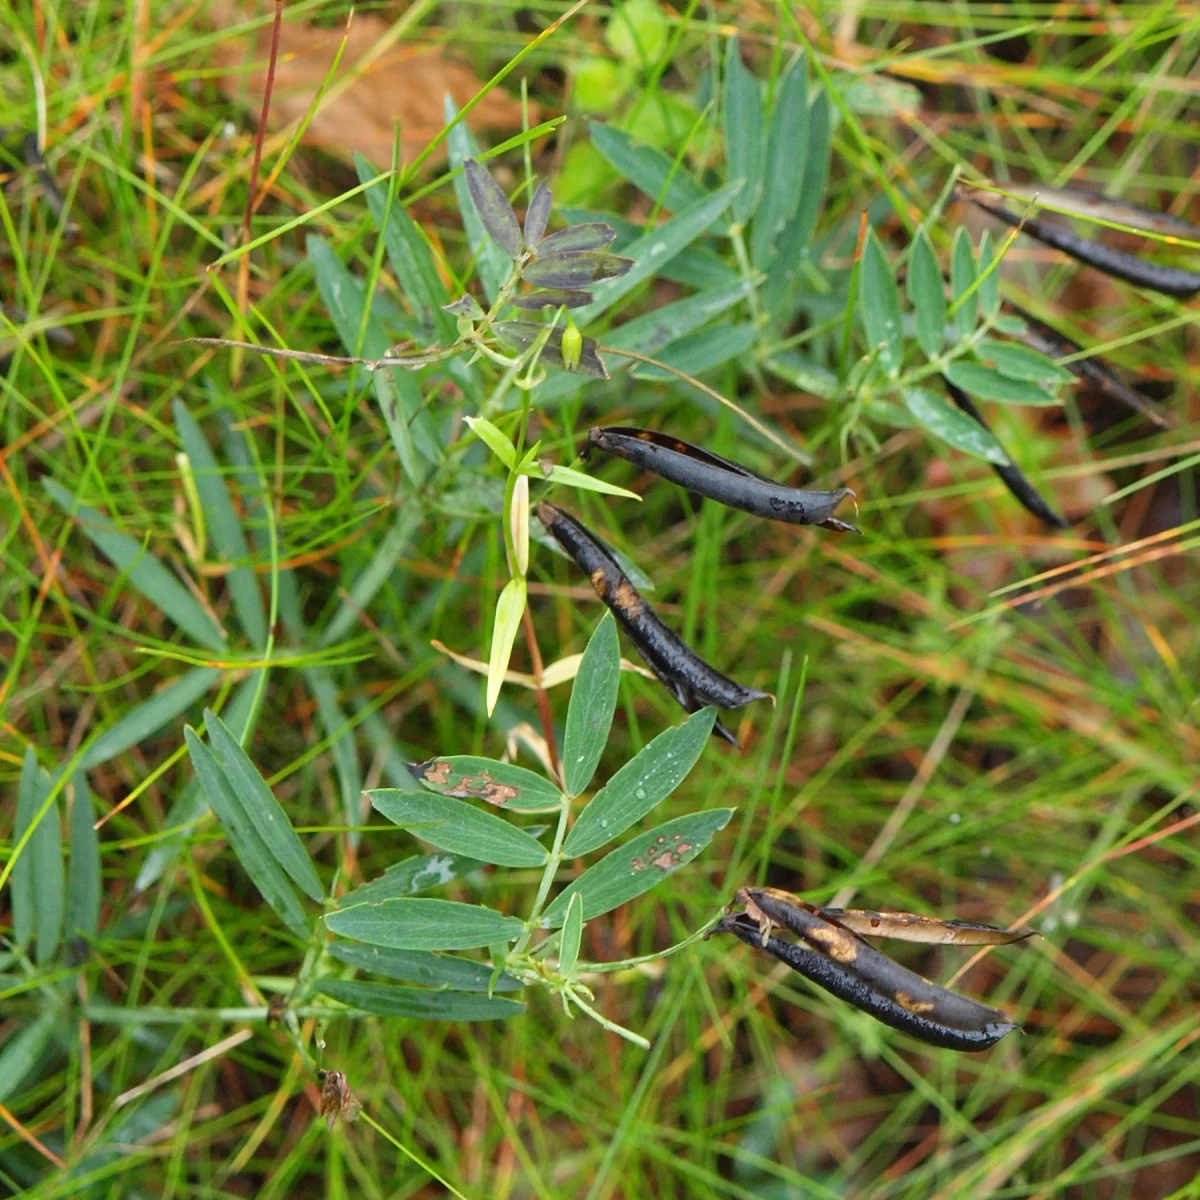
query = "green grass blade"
{"x": 142, "y": 569}
{"x": 222, "y": 520}
{"x": 83, "y": 870}
{"x": 150, "y": 716}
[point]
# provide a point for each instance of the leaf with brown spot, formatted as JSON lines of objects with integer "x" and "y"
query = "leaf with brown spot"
{"x": 638, "y": 865}
{"x": 505, "y": 785}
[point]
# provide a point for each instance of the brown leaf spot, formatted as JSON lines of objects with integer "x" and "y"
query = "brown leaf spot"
{"x": 485, "y": 787}
{"x": 907, "y": 1003}
{"x": 436, "y": 772}
{"x": 666, "y": 860}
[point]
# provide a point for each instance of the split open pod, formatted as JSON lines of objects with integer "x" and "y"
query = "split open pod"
{"x": 728, "y": 483}
{"x": 692, "y": 681}
{"x": 833, "y": 954}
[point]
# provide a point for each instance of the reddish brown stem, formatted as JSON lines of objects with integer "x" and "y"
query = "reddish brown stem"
{"x": 543, "y": 701}
{"x": 252, "y": 201}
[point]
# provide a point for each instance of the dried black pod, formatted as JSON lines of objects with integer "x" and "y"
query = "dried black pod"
{"x": 682, "y": 671}
{"x": 494, "y": 209}
{"x": 845, "y": 984}
{"x": 1171, "y": 281}
{"x": 520, "y": 335}
{"x": 719, "y": 479}
{"x": 912, "y": 992}
{"x": 1093, "y": 369}
{"x": 1014, "y": 478}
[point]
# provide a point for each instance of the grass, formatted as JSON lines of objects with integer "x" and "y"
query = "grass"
{"x": 936, "y": 746}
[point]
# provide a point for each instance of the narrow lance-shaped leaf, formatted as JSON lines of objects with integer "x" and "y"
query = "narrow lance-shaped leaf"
{"x": 718, "y": 478}
{"x": 259, "y": 803}
{"x": 692, "y": 681}
{"x": 417, "y": 923}
{"x": 458, "y": 827}
{"x": 493, "y": 208}
{"x": 989, "y": 384}
{"x": 743, "y": 133}
{"x": 224, "y": 525}
{"x": 593, "y": 701}
{"x": 590, "y": 235}
{"x": 571, "y": 937}
{"x": 144, "y": 572}
{"x": 787, "y": 151}
{"x": 31, "y": 792}
{"x": 503, "y": 784}
{"x": 962, "y": 281}
{"x": 83, "y": 870}
{"x": 537, "y": 214}
{"x": 957, "y": 429}
{"x": 491, "y": 262}
{"x": 495, "y": 440}
{"x": 423, "y": 967}
{"x": 417, "y": 874}
{"x": 1020, "y": 362}
{"x": 1013, "y": 477}
{"x": 879, "y": 302}
{"x": 387, "y": 1000}
{"x": 574, "y": 269}
{"x": 642, "y": 783}
{"x": 509, "y": 609}
{"x": 638, "y": 865}
{"x": 265, "y": 873}
{"x": 151, "y": 715}
{"x": 555, "y": 298}
{"x": 647, "y": 168}
{"x": 927, "y": 295}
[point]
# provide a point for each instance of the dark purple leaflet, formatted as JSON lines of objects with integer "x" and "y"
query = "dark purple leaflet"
{"x": 688, "y": 678}
{"x": 1093, "y": 369}
{"x": 1171, "y": 281}
{"x": 1014, "y": 478}
{"x": 843, "y": 983}
{"x": 915, "y": 994}
{"x": 728, "y": 483}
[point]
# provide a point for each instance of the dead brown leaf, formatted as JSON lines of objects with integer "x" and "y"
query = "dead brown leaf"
{"x": 372, "y": 90}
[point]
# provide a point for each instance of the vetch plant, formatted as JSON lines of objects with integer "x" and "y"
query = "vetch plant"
{"x": 464, "y": 806}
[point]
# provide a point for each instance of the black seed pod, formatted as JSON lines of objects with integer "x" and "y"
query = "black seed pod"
{"x": 719, "y": 479}
{"x": 845, "y": 984}
{"x": 683, "y": 672}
